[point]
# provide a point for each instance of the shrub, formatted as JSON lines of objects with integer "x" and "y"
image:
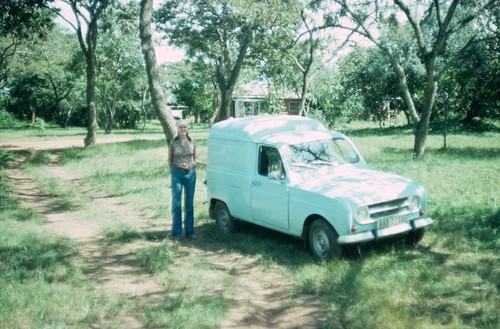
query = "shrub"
{"x": 7, "y": 119}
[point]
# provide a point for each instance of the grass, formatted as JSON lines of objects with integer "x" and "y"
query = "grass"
{"x": 40, "y": 285}
{"x": 450, "y": 280}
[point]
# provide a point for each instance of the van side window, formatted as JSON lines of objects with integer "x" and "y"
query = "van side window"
{"x": 263, "y": 162}
{"x": 270, "y": 163}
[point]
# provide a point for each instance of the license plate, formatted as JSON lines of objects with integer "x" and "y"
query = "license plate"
{"x": 389, "y": 221}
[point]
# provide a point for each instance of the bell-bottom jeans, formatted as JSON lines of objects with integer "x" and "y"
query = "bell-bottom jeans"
{"x": 187, "y": 181}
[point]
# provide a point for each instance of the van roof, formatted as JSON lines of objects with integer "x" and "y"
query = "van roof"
{"x": 263, "y": 127}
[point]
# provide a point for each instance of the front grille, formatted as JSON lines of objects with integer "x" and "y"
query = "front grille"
{"x": 389, "y": 208}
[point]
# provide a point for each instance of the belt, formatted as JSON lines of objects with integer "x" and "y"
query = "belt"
{"x": 182, "y": 169}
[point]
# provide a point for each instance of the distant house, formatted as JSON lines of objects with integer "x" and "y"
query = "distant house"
{"x": 177, "y": 114}
{"x": 250, "y": 100}
{"x": 177, "y": 111}
{"x": 247, "y": 105}
{"x": 292, "y": 105}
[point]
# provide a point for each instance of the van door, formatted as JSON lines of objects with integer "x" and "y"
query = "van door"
{"x": 269, "y": 191}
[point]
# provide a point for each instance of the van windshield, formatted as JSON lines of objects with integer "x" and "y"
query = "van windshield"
{"x": 321, "y": 153}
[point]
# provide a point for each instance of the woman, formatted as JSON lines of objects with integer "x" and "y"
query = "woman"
{"x": 182, "y": 162}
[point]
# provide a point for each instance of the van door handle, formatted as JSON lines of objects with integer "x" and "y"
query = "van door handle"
{"x": 256, "y": 183}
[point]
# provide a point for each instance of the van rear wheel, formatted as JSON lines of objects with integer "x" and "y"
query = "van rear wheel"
{"x": 223, "y": 218}
{"x": 323, "y": 241}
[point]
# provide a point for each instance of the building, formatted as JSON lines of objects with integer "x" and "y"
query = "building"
{"x": 251, "y": 99}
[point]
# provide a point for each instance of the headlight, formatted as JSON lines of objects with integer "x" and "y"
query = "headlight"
{"x": 363, "y": 215}
{"x": 415, "y": 202}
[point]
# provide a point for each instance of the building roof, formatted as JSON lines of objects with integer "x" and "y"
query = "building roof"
{"x": 270, "y": 128}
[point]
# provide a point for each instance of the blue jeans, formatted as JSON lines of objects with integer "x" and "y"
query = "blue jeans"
{"x": 180, "y": 180}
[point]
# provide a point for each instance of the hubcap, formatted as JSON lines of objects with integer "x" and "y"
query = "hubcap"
{"x": 223, "y": 219}
{"x": 320, "y": 242}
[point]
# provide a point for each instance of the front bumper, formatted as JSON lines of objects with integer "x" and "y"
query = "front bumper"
{"x": 385, "y": 232}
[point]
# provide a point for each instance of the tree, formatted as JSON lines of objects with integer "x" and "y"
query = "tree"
{"x": 27, "y": 91}
{"x": 121, "y": 78}
{"x": 163, "y": 112}
{"x": 432, "y": 26}
{"x": 194, "y": 94}
{"x": 364, "y": 72}
{"x": 20, "y": 22}
{"x": 222, "y": 34}
{"x": 309, "y": 48}
{"x": 87, "y": 14}
{"x": 467, "y": 86}
{"x": 48, "y": 71}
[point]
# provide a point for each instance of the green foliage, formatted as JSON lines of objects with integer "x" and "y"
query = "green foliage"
{"x": 42, "y": 80}
{"x": 366, "y": 77}
{"x": 339, "y": 104}
{"x": 196, "y": 94}
{"x": 121, "y": 79}
{"x": 25, "y": 19}
{"x": 7, "y": 120}
{"x": 463, "y": 96}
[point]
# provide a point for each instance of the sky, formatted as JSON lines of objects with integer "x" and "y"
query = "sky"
{"x": 164, "y": 53}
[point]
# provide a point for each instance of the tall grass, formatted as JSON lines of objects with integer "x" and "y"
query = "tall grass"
{"x": 40, "y": 284}
{"x": 450, "y": 280}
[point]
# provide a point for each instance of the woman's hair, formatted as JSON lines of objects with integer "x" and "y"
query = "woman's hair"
{"x": 181, "y": 122}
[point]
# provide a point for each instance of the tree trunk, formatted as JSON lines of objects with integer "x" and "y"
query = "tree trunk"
{"x": 90, "y": 138}
{"x": 227, "y": 77}
{"x": 225, "y": 104}
{"x": 405, "y": 91}
{"x": 112, "y": 110}
{"x": 423, "y": 124}
{"x": 225, "y": 97}
{"x": 163, "y": 112}
{"x": 216, "y": 104}
{"x": 305, "y": 71}
{"x": 33, "y": 115}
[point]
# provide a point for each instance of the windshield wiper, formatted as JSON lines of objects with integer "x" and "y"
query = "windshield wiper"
{"x": 302, "y": 165}
{"x": 323, "y": 162}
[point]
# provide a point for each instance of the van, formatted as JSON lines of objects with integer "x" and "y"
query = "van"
{"x": 291, "y": 174}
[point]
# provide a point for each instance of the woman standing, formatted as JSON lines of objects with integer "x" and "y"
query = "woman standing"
{"x": 182, "y": 162}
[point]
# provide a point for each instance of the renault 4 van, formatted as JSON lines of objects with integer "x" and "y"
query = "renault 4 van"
{"x": 292, "y": 175}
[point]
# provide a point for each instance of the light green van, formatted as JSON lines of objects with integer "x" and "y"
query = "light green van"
{"x": 291, "y": 174}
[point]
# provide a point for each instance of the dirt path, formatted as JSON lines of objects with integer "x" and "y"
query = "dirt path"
{"x": 257, "y": 302}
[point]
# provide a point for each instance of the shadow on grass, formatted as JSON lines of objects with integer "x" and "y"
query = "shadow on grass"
{"x": 286, "y": 250}
{"x": 479, "y": 153}
{"x": 29, "y": 255}
{"x": 5, "y": 158}
{"x": 468, "y": 152}
{"x": 8, "y": 156}
{"x": 465, "y": 226}
{"x": 386, "y": 131}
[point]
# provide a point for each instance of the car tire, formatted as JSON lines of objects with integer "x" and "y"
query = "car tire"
{"x": 415, "y": 236}
{"x": 223, "y": 218}
{"x": 323, "y": 241}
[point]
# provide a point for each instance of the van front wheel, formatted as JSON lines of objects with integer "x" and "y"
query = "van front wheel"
{"x": 323, "y": 241}
{"x": 223, "y": 218}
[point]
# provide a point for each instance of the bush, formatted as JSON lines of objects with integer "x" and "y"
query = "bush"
{"x": 7, "y": 120}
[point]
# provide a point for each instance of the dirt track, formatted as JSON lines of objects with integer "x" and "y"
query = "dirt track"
{"x": 257, "y": 302}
